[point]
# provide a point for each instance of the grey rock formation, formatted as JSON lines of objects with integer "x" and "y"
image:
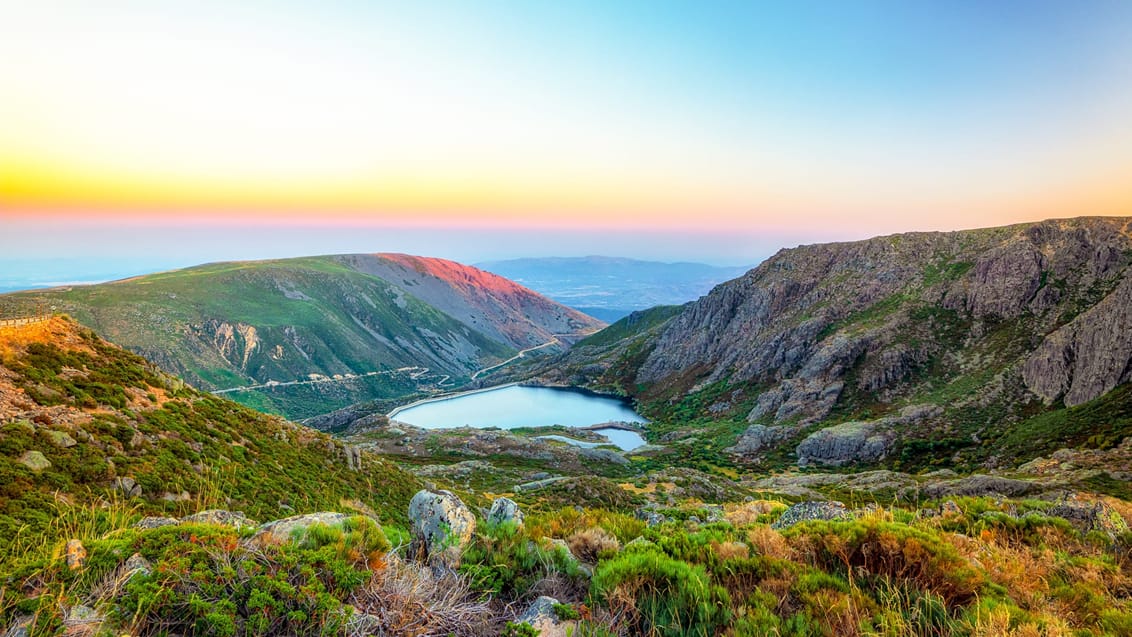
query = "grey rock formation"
{"x": 978, "y": 485}
{"x": 813, "y": 323}
{"x": 127, "y": 486}
{"x": 505, "y": 510}
{"x": 1091, "y": 516}
{"x": 441, "y": 526}
{"x": 859, "y": 441}
{"x": 842, "y": 444}
{"x": 1090, "y": 355}
{"x": 758, "y": 439}
{"x": 804, "y": 511}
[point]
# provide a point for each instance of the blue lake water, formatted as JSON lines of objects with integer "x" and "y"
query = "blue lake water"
{"x": 515, "y": 406}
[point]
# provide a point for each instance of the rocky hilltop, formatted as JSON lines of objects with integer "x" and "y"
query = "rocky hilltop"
{"x": 311, "y": 335}
{"x": 955, "y": 336}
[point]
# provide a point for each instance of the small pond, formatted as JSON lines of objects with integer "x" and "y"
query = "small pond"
{"x": 514, "y": 406}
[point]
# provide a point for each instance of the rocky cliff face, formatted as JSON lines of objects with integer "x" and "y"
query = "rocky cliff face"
{"x": 823, "y": 334}
{"x": 803, "y": 320}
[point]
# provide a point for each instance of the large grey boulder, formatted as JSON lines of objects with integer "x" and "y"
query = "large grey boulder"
{"x": 441, "y": 526}
{"x": 505, "y": 510}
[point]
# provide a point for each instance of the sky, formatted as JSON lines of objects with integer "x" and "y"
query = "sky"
{"x": 173, "y": 133}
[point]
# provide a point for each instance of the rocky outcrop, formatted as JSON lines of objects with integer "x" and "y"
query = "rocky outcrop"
{"x": 805, "y": 511}
{"x": 978, "y": 485}
{"x": 1090, "y": 355}
{"x": 859, "y": 441}
{"x": 440, "y": 527}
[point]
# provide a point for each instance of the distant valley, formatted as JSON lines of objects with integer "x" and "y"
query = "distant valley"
{"x": 609, "y": 288}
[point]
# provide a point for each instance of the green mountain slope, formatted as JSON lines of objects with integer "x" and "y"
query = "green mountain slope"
{"x": 84, "y": 420}
{"x": 343, "y": 329}
{"x": 957, "y": 349}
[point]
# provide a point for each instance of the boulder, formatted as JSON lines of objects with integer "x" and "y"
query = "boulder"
{"x": 441, "y": 526}
{"x": 294, "y": 527}
{"x": 1091, "y": 516}
{"x": 505, "y": 510}
{"x": 805, "y": 511}
{"x": 127, "y": 486}
{"x": 34, "y": 460}
{"x": 221, "y": 517}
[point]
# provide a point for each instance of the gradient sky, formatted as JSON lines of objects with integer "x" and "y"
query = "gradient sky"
{"x": 712, "y": 130}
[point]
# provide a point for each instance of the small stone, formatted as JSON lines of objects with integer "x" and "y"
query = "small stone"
{"x": 76, "y": 554}
{"x": 34, "y": 460}
{"x": 137, "y": 565}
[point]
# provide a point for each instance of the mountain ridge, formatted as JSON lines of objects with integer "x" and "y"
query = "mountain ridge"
{"x": 234, "y": 324}
{"x": 992, "y": 326}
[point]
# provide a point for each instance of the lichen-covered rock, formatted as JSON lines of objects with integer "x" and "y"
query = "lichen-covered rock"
{"x": 221, "y": 517}
{"x": 61, "y": 438}
{"x": 155, "y": 522}
{"x": 137, "y": 565}
{"x": 505, "y": 510}
{"x": 804, "y": 511}
{"x": 294, "y": 527}
{"x": 440, "y": 527}
{"x": 34, "y": 460}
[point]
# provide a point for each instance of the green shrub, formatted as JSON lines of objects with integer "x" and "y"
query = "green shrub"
{"x": 660, "y": 595}
{"x": 504, "y": 561}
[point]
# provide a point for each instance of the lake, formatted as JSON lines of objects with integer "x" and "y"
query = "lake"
{"x": 515, "y": 406}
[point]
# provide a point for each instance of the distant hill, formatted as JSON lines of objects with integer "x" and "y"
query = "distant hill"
{"x": 318, "y": 333}
{"x": 609, "y": 288}
{"x": 974, "y": 348}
